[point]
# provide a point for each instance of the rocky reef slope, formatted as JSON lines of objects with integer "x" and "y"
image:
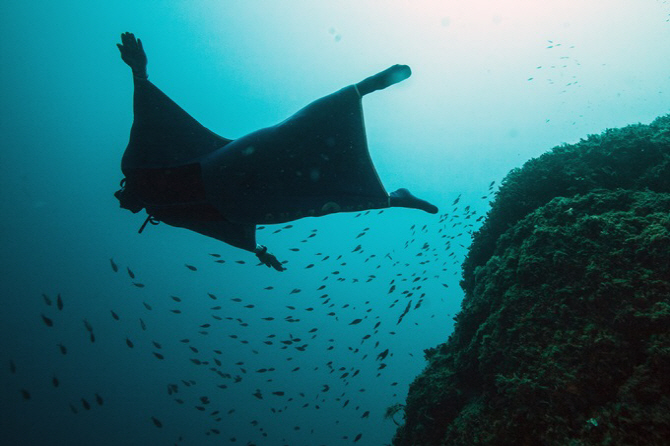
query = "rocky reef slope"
{"x": 564, "y": 333}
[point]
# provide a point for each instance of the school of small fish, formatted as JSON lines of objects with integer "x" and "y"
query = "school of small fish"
{"x": 293, "y": 333}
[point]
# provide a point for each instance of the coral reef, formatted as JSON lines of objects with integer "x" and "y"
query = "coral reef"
{"x": 563, "y": 337}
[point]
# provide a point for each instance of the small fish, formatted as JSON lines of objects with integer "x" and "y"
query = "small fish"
{"x": 157, "y": 422}
{"x": 88, "y": 326}
{"x": 85, "y": 403}
{"x": 191, "y": 267}
{"x": 98, "y": 399}
{"x": 143, "y": 325}
{"x": 62, "y": 348}
{"x": 59, "y": 302}
{"x": 176, "y": 299}
{"x": 147, "y": 306}
{"x": 138, "y": 285}
{"x": 130, "y": 273}
{"x": 46, "y": 299}
{"x": 355, "y": 321}
{"x": 358, "y": 437}
{"x": 55, "y": 381}
{"x": 25, "y": 394}
{"x": 158, "y": 355}
{"x": 12, "y": 366}
{"x": 47, "y": 321}
{"x": 129, "y": 343}
{"x": 114, "y": 315}
{"x": 115, "y": 268}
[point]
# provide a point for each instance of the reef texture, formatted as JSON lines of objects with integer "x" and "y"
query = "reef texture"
{"x": 564, "y": 333}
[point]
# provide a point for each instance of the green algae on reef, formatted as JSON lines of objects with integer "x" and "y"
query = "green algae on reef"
{"x": 563, "y": 335}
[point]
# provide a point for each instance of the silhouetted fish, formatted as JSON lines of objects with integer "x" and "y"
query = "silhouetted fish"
{"x": 114, "y": 267}
{"x": 47, "y": 321}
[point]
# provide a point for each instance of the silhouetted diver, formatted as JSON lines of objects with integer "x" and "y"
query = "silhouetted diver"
{"x": 314, "y": 163}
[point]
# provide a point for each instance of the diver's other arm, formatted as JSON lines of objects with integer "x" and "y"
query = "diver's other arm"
{"x": 132, "y": 53}
{"x": 268, "y": 259}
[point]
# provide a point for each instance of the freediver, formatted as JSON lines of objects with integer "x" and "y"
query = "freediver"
{"x": 314, "y": 163}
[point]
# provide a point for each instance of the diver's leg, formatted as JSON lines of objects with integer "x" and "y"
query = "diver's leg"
{"x": 132, "y": 53}
{"x": 402, "y": 198}
{"x": 386, "y": 78}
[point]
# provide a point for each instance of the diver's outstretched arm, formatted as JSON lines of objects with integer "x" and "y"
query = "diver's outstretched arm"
{"x": 386, "y": 78}
{"x": 132, "y": 53}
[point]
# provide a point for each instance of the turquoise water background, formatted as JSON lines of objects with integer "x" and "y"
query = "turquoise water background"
{"x": 494, "y": 84}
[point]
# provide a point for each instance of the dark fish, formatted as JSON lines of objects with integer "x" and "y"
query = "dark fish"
{"x": 366, "y": 414}
{"x": 215, "y": 255}
{"x": 278, "y": 393}
{"x": 138, "y": 285}
{"x": 47, "y": 321}
{"x": 12, "y": 366}
{"x": 55, "y": 381}
{"x": 147, "y": 306}
{"x": 46, "y": 299}
{"x": 258, "y": 394}
{"x": 114, "y": 315}
{"x": 73, "y": 409}
{"x": 98, "y": 399}
{"x": 92, "y": 337}
{"x": 25, "y": 394}
{"x": 88, "y": 326}
{"x": 311, "y": 265}
{"x": 114, "y": 267}
{"x": 130, "y": 273}
{"x": 191, "y": 267}
{"x": 382, "y": 355}
{"x": 158, "y": 355}
{"x": 355, "y": 321}
{"x": 129, "y": 343}
{"x": 358, "y": 437}
{"x": 269, "y": 288}
{"x": 157, "y": 422}
{"x": 156, "y": 344}
{"x": 294, "y": 249}
{"x": 85, "y": 403}
{"x": 211, "y": 296}
{"x": 63, "y": 349}
{"x": 59, "y": 302}
{"x": 176, "y": 299}
{"x": 241, "y": 262}
{"x": 143, "y": 325}
{"x": 176, "y": 311}
{"x": 295, "y": 291}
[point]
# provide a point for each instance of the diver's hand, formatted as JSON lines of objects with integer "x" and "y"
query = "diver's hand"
{"x": 268, "y": 259}
{"x": 132, "y": 53}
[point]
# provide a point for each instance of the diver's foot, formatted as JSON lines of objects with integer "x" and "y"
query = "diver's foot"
{"x": 404, "y": 199}
{"x": 384, "y": 79}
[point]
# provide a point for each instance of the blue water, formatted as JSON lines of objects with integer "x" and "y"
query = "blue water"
{"x": 494, "y": 84}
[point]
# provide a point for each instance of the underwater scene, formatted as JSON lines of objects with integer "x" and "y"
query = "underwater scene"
{"x": 298, "y": 222}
